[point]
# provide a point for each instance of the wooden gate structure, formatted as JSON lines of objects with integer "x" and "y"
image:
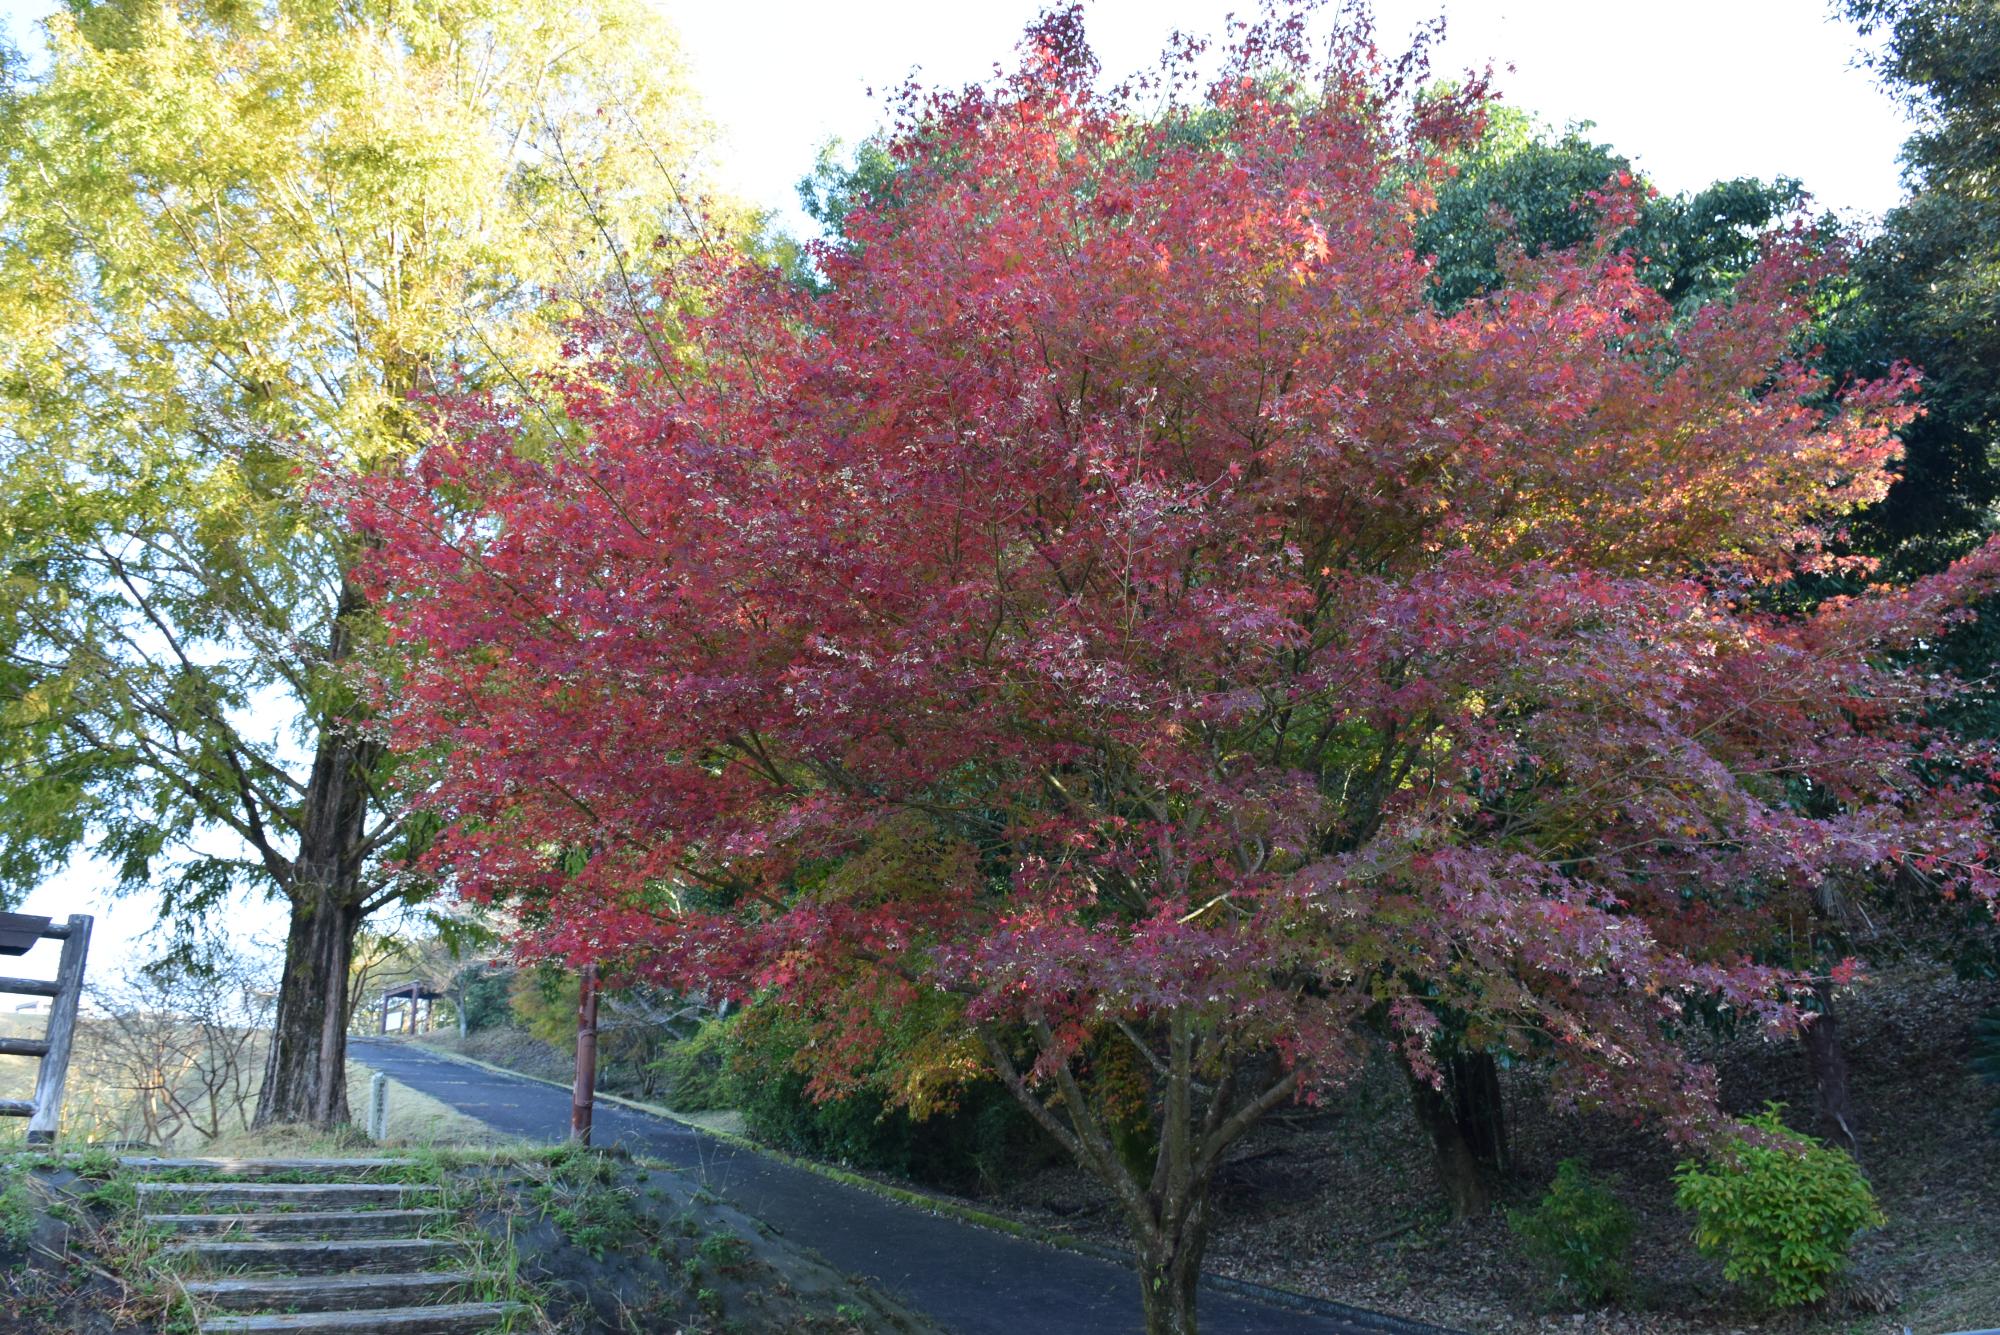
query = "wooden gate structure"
{"x": 420, "y": 1001}
{"x": 18, "y": 934}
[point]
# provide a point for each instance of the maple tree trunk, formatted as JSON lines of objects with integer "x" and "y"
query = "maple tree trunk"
{"x": 305, "y": 1073}
{"x": 1466, "y": 1127}
{"x": 1473, "y": 1080}
{"x": 1170, "y": 1214}
{"x": 1831, "y": 1096}
{"x": 1169, "y": 1273}
{"x": 1168, "y": 1211}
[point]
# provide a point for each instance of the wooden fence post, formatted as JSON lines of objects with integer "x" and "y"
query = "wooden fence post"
{"x": 62, "y": 1032}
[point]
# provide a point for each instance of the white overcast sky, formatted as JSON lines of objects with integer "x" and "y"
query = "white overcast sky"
{"x": 1693, "y": 91}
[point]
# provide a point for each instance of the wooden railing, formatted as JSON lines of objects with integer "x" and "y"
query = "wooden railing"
{"x": 17, "y": 933}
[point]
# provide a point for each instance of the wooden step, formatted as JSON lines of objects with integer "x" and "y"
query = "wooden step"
{"x": 329, "y": 1293}
{"x": 178, "y": 1197}
{"x": 234, "y": 1168}
{"x": 455, "y": 1319}
{"x": 373, "y": 1255}
{"x": 300, "y": 1223}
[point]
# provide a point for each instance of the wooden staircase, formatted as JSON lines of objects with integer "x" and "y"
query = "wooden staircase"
{"x": 308, "y": 1245}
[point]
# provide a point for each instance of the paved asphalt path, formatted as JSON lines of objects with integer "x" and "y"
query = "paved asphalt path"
{"x": 971, "y": 1280}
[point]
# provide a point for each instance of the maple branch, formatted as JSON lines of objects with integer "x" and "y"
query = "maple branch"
{"x": 1100, "y": 1153}
{"x": 1010, "y": 1076}
{"x": 1246, "y": 1116}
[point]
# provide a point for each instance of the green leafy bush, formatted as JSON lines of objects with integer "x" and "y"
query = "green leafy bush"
{"x": 982, "y": 1138}
{"x": 699, "y": 1073}
{"x": 17, "y": 1212}
{"x": 484, "y": 993}
{"x": 1578, "y": 1234}
{"x": 1780, "y": 1210}
{"x": 860, "y": 1129}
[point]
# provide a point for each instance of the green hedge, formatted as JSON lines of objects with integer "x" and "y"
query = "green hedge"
{"x": 748, "y": 1063}
{"x": 1578, "y": 1233}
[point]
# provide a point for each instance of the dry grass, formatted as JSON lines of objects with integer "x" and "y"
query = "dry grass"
{"x": 417, "y": 1119}
{"x": 95, "y": 1111}
{"x": 510, "y": 1048}
{"x": 17, "y": 1074}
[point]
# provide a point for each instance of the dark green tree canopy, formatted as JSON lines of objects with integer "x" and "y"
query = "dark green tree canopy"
{"x": 1526, "y": 186}
{"x": 1522, "y": 185}
{"x": 1931, "y": 280}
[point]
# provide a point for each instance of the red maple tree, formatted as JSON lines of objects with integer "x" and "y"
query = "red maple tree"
{"x": 1115, "y": 607}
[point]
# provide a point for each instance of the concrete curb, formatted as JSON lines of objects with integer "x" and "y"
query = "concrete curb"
{"x": 1277, "y": 1297}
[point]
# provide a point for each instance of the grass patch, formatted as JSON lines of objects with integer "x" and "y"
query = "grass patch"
{"x": 417, "y": 1119}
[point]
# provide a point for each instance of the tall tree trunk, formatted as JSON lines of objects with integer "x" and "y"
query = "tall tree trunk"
{"x": 1169, "y": 1257}
{"x": 1828, "y": 1060}
{"x": 1170, "y": 1215}
{"x": 1473, "y": 1080}
{"x": 305, "y": 1074}
{"x": 1466, "y": 1127}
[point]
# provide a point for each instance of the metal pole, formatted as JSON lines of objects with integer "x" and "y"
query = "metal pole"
{"x": 584, "y": 1096}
